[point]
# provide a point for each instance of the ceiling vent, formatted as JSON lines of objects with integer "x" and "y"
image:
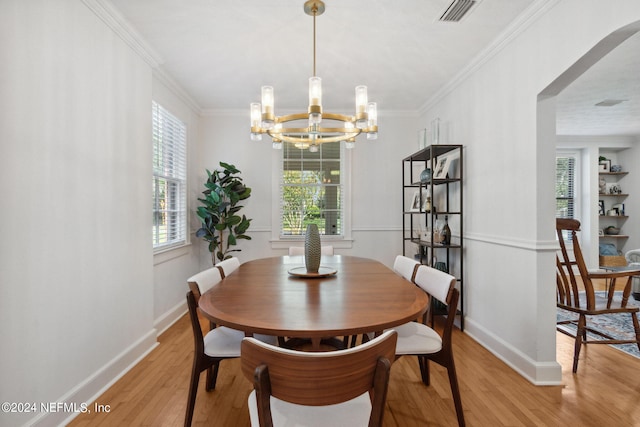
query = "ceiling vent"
{"x": 610, "y": 102}
{"x": 457, "y": 10}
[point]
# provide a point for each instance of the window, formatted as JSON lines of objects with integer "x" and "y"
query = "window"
{"x": 312, "y": 190}
{"x": 169, "y": 179}
{"x": 565, "y": 186}
{"x": 567, "y": 205}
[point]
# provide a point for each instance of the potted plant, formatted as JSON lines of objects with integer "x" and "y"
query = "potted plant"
{"x": 222, "y": 226}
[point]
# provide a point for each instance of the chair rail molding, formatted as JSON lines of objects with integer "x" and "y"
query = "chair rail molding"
{"x": 526, "y": 244}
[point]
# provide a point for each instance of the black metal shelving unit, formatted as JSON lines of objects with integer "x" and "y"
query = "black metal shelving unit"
{"x": 446, "y": 193}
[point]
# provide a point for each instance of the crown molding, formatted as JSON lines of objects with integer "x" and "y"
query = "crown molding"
{"x": 115, "y": 21}
{"x": 170, "y": 83}
{"x": 517, "y": 27}
{"x": 110, "y": 15}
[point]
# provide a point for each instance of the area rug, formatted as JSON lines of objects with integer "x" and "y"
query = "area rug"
{"x": 617, "y": 325}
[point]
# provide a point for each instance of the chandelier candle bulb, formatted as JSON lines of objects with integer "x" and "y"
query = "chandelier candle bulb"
{"x": 256, "y": 117}
{"x": 256, "y": 114}
{"x": 268, "y": 117}
{"x": 361, "y": 107}
{"x": 315, "y": 100}
{"x": 372, "y": 125}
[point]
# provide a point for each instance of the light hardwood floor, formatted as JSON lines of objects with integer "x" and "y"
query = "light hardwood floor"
{"x": 604, "y": 392}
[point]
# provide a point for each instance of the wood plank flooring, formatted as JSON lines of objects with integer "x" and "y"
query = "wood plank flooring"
{"x": 604, "y": 392}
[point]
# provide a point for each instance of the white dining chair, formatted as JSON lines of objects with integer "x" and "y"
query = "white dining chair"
{"x": 406, "y": 267}
{"x": 228, "y": 266}
{"x": 336, "y": 388}
{"x": 418, "y": 339}
{"x": 201, "y": 282}
{"x": 218, "y": 344}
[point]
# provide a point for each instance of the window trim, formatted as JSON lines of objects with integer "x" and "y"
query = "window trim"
{"x": 339, "y": 241}
{"x": 184, "y": 238}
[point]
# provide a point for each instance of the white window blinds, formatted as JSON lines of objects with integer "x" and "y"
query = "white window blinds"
{"x": 169, "y": 179}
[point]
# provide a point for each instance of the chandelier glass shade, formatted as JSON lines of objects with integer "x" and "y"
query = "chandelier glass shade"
{"x": 315, "y": 126}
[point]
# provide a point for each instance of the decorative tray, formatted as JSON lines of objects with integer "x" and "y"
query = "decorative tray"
{"x": 322, "y": 272}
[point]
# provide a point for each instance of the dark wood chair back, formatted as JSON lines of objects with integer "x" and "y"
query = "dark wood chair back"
{"x": 567, "y": 285}
{"x": 318, "y": 379}
{"x": 579, "y": 296}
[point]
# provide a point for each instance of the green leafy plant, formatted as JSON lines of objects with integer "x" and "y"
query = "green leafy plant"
{"x": 219, "y": 215}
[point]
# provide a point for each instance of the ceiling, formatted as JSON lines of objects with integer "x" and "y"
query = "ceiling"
{"x": 615, "y": 77}
{"x": 221, "y": 52}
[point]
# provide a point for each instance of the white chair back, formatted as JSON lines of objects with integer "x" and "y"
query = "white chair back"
{"x": 436, "y": 283}
{"x": 228, "y": 266}
{"x": 406, "y": 267}
{"x": 204, "y": 280}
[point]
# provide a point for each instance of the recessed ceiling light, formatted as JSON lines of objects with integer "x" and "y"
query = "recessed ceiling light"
{"x": 610, "y": 102}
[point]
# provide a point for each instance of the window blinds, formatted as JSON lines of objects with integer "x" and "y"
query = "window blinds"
{"x": 169, "y": 178}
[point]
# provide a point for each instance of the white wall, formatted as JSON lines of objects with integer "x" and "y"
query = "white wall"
{"x": 376, "y": 182}
{"x": 79, "y": 294}
{"x": 492, "y": 110}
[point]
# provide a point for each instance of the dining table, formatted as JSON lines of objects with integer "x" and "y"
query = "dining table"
{"x": 349, "y": 296}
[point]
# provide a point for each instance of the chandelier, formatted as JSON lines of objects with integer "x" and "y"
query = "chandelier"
{"x": 315, "y": 127}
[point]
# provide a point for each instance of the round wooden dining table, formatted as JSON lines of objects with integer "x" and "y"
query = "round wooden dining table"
{"x": 269, "y": 296}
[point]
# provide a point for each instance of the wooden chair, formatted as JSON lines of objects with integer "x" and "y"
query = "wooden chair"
{"x": 299, "y": 250}
{"x": 406, "y": 267}
{"x": 343, "y": 387}
{"x": 418, "y": 339}
{"x": 203, "y": 281}
{"x": 228, "y": 266}
{"x": 584, "y": 302}
{"x": 218, "y": 344}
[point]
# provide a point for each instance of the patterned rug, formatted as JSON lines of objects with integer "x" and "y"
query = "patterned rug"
{"x": 616, "y": 325}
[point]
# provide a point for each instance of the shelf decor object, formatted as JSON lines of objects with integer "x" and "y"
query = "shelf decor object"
{"x": 312, "y": 249}
{"x": 425, "y": 176}
{"x": 303, "y": 273}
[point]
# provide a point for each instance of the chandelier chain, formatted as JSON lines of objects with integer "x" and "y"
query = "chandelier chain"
{"x": 315, "y": 12}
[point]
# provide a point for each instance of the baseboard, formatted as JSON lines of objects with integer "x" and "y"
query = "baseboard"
{"x": 538, "y": 373}
{"x": 165, "y": 321}
{"x": 90, "y": 389}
